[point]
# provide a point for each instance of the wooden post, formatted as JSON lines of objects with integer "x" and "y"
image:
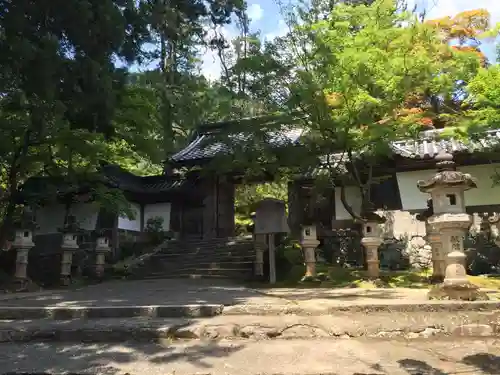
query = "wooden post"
{"x": 272, "y": 258}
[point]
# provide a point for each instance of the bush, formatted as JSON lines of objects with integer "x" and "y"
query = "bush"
{"x": 483, "y": 256}
{"x": 288, "y": 254}
{"x": 154, "y": 230}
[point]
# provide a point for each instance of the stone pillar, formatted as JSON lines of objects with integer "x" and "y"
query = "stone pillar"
{"x": 433, "y": 238}
{"x": 309, "y": 243}
{"x": 101, "y": 249}
{"x": 23, "y": 243}
{"x": 371, "y": 245}
{"x": 449, "y": 218}
{"x": 455, "y": 273}
{"x": 438, "y": 253}
{"x": 260, "y": 247}
{"x": 372, "y": 239}
{"x": 69, "y": 246}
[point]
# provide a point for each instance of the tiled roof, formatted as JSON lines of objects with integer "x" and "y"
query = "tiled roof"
{"x": 127, "y": 181}
{"x": 210, "y": 142}
{"x": 427, "y": 146}
{"x": 111, "y": 175}
{"x": 430, "y": 144}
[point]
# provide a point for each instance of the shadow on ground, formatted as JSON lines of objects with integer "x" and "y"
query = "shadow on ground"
{"x": 298, "y": 294}
{"x": 143, "y": 292}
{"x": 484, "y": 363}
{"x": 109, "y": 360}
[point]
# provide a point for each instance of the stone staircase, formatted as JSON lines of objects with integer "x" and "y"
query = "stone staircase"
{"x": 225, "y": 258}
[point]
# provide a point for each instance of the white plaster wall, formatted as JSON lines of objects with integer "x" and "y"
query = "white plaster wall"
{"x": 353, "y": 197}
{"x": 51, "y": 218}
{"x": 158, "y": 209}
{"x": 133, "y": 225}
{"x": 485, "y": 194}
{"x": 411, "y": 197}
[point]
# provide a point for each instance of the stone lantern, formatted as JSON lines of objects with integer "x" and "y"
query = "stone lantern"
{"x": 494, "y": 222}
{"x": 372, "y": 225}
{"x": 70, "y": 233}
{"x": 449, "y": 218}
{"x": 23, "y": 243}
{"x": 309, "y": 243}
{"x": 433, "y": 237}
{"x": 101, "y": 249}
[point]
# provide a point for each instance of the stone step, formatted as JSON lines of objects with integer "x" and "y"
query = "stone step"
{"x": 205, "y": 264}
{"x": 194, "y": 276}
{"x": 99, "y": 312}
{"x": 207, "y": 251}
{"x": 193, "y": 259}
{"x": 202, "y": 244}
{"x": 475, "y": 312}
{"x": 207, "y": 245}
{"x": 342, "y": 326}
{"x": 200, "y": 273}
{"x": 205, "y": 257}
{"x": 196, "y": 269}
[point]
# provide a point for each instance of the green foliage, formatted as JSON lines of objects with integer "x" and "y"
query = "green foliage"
{"x": 154, "y": 229}
{"x": 177, "y": 30}
{"x": 348, "y": 72}
{"x": 484, "y": 100}
{"x": 60, "y": 87}
{"x": 247, "y": 196}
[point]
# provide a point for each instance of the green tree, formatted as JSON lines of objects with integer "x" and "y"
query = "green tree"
{"x": 177, "y": 31}
{"x": 59, "y": 86}
{"x": 483, "y": 100}
{"x": 349, "y": 73}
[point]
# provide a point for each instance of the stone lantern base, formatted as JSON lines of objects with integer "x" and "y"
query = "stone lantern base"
{"x": 464, "y": 292}
{"x": 27, "y": 285}
{"x": 309, "y": 247}
{"x": 371, "y": 245}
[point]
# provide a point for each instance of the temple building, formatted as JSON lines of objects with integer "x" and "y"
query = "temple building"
{"x": 199, "y": 204}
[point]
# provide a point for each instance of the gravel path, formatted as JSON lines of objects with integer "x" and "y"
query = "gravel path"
{"x": 339, "y": 357}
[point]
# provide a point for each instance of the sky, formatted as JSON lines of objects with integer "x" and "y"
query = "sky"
{"x": 265, "y": 16}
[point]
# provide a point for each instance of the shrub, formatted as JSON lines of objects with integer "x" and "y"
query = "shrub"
{"x": 154, "y": 230}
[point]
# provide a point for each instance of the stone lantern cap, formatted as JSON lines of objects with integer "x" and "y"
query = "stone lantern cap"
{"x": 494, "y": 218}
{"x": 447, "y": 175}
{"x": 71, "y": 225}
{"x": 368, "y": 215}
{"x": 25, "y": 220}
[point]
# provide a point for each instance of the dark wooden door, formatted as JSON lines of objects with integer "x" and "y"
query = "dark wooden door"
{"x": 192, "y": 222}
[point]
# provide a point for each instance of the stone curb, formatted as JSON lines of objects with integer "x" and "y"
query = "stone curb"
{"x": 18, "y": 296}
{"x": 123, "y": 333}
{"x": 98, "y": 312}
{"x": 209, "y": 310}
{"x": 430, "y": 306}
